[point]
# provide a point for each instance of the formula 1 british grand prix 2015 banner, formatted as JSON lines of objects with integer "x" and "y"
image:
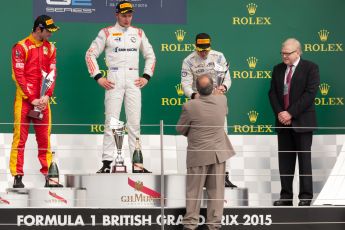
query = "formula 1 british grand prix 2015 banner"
{"x": 153, "y": 219}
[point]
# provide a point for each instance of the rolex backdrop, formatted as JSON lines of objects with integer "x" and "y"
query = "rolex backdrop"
{"x": 248, "y": 32}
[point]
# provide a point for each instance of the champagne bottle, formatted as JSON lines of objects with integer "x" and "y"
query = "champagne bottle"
{"x": 53, "y": 173}
{"x": 137, "y": 158}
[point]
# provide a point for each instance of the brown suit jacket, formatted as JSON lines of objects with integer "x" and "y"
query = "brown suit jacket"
{"x": 207, "y": 144}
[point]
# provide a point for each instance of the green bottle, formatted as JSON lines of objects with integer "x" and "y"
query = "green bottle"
{"x": 137, "y": 158}
{"x": 53, "y": 173}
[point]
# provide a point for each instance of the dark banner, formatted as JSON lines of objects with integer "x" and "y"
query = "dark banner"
{"x": 244, "y": 218}
{"x": 147, "y": 11}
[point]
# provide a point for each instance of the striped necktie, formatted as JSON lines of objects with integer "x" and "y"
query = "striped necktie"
{"x": 288, "y": 80}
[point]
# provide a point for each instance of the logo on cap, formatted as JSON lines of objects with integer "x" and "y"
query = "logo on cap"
{"x": 49, "y": 22}
{"x": 203, "y": 41}
{"x": 126, "y": 5}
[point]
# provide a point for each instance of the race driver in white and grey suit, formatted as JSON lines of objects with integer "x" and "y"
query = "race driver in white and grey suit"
{"x": 121, "y": 44}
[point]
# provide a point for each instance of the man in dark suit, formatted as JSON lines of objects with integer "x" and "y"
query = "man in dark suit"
{"x": 293, "y": 89}
{"x": 202, "y": 122}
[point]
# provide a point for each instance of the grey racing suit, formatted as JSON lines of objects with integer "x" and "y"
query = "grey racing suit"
{"x": 193, "y": 66}
{"x": 122, "y": 46}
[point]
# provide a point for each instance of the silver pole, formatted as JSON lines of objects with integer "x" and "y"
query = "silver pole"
{"x": 162, "y": 172}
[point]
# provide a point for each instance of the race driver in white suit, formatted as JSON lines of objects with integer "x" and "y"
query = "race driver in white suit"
{"x": 122, "y": 44}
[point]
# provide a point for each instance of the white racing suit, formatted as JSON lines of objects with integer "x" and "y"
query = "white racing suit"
{"x": 121, "y": 47}
{"x": 193, "y": 66}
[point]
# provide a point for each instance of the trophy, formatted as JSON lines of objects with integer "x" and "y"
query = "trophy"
{"x": 47, "y": 82}
{"x": 118, "y": 129}
{"x": 220, "y": 73}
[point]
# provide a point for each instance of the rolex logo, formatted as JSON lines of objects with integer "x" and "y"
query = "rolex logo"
{"x": 251, "y": 73}
{"x": 324, "y": 88}
{"x": 175, "y": 101}
{"x": 180, "y": 35}
{"x": 327, "y": 100}
{"x": 252, "y": 62}
{"x": 253, "y": 128}
{"x": 323, "y": 46}
{"x": 253, "y": 116}
{"x": 252, "y": 20}
{"x": 180, "y": 46}
{"x": 323, "y": 34}
{"x": 179, "y": 89}
{"x": 251, "y": 8}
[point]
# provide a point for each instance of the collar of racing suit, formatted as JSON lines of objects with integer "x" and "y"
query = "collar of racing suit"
{"x": 34, "y": 41}
{"x": 200, "y": 58}
{"x": 123, "y": 29}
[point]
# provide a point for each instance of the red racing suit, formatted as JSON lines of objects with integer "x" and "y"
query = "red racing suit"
{"x": 29, "y": 58}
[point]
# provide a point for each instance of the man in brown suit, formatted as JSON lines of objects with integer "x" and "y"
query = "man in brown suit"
{"x": 202, "y": 122}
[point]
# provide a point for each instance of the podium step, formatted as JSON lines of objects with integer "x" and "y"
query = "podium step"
{"x": 57, "y": 197}
{"x": 14, "y": 198}
{"x": 142, "y": 191}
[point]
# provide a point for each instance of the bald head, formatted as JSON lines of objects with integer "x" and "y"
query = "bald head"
{"x": 204, "y": 85}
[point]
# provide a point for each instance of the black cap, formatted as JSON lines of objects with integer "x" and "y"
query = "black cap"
{"x": 203, "y": 42}
{"x": 124, "y": 7}
{"x": 45, "y": 22}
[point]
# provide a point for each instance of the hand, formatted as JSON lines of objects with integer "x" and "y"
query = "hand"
{"x": 105, "y": 83}
{"x": 140, "y": 82}
{"x": 44, "y": 100}
{"x": 286, "y": 122}
{"x": 285, "y": 118}
{"x": 221, "y": 88}
{"x": 35, "y": 102}
{"x": 217, "y": 91}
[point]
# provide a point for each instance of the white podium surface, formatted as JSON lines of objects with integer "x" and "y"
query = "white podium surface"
{"x": 333, "y": 193}
{"x": 14, "y": 198}
{"x": 56, "y": 197}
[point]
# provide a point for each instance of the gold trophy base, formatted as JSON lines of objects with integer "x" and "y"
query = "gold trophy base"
{"x": 35, "y": 114}
{"x": 119, "y": 169}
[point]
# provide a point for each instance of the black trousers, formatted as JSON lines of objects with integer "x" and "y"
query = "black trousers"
{"x": 291, "y": 145}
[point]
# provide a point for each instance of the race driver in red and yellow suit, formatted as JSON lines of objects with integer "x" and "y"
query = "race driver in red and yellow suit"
{"x": 29, "y": 58}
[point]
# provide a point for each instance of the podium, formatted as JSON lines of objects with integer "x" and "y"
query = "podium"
{"x": 142, "y": 191}
{"x": 14, "y": 198}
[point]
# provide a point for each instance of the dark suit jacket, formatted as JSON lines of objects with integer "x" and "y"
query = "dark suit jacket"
{"x": 303, "y": 89}
{"x": 207, "y": 144}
